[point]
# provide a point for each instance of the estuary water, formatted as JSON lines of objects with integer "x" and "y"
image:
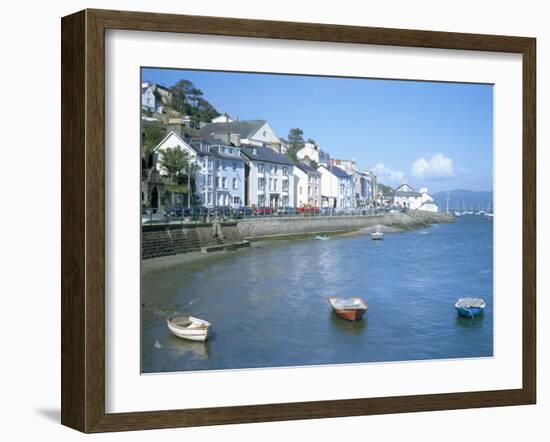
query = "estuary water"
{"x": 268, "y": 304}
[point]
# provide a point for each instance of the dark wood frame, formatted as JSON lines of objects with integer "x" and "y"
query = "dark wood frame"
{"x": 83, "y": 218}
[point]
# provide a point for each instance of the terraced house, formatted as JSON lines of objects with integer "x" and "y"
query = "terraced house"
{"x": 219, "y": 170}
{"x": 307, "y": 182}
{"x": 269, "y": 176}
{"x": 338, "y": 188}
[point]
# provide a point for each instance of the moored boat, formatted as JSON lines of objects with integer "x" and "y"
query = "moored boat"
{"x": 470, "y": 307}
{"x": 351, "y": 309}
{"x": 322, "y": 238}
{"x": 189, "y": 327}
{"x": 377, "y": 234}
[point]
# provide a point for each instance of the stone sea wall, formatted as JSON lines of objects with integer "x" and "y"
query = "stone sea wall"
{"x": 173, "y": 239}
{"x": 271, "y": 227}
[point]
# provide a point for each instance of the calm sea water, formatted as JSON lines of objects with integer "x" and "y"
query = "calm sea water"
{"x": 268, "y": 305}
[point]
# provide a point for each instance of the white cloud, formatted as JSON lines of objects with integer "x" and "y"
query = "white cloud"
{"x": 438, "y": 166}
{"x": 384, "y": 173}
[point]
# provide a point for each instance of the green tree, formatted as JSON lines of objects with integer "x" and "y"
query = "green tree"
{"x": 175, "y": 161}
{"x": 295, "y": 142}
{"x": 183, "y": 92}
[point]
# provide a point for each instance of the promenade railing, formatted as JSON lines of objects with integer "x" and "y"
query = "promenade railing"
{"x": 206, "y": 215}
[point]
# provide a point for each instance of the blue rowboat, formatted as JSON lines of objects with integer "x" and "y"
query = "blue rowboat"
{"x": 470, "y": 307}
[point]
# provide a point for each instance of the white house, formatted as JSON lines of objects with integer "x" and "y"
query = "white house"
{"x": 307, "y": 186}
{"x": 224, "y": 118}
{"x": 312, "y": 152}
{"x": 270, "y": 178}
{"x": 220, "y": 173}
{"x": 337, "y": 187}
{"x": 405, "y": 196}
{"x": 251, "y": 132}
{"x": 154, "y": 97}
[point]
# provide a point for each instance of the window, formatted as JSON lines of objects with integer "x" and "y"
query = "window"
{"x": 276, "y": 170}
{"x": 285, "y": 171}
{"x": 234, "y": 183}
{"x": 285, "y": 201}
{"x": 275, "y": 184}
{"x": 210, "y": 164}
{"x": 217, "y": 181}
{"x": 261, "y": 168}
{"x": 224, "y": 182}
{"x": 285, "y": 185}
{"x": 236, "y": 200}
{"x": 209, "y": 198}
{"x": 261, "y": 200}
{"x": 309, "y": 190}
{"x": 209, "y": 181}
{"x": 261, "y": 183}
{"x": 270, "y": 184}
{"x": 223, "y": 165}
{"x": 234, "y": 167}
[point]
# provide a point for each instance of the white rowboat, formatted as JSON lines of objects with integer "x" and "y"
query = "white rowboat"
{"x": 188, "y": 327}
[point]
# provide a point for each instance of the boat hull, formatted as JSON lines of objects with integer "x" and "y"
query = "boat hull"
{"x": 350, "y": 315}
{"x": 196, "y": 333}
{"x": 470, "y": 312}
{"x": 351, "y": 309}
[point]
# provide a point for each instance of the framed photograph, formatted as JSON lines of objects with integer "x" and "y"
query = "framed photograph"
{"x": 267, "y": 221}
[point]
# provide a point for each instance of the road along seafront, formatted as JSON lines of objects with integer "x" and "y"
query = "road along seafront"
{"x": 176, "y": 238}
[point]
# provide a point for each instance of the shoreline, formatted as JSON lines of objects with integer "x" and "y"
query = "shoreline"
{"x": 396, "y": 223}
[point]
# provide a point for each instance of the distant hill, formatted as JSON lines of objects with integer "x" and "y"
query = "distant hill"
{"x": 459, "y": 197}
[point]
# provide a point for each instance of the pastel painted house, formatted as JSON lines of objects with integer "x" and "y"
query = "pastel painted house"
{"x": 337, "y": 188}
{"x": 269, "y": 176}
{"x": 219, "y": 172}
{"x": 307, "y": 186}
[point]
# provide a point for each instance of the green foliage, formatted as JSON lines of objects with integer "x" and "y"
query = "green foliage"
{"x": 189, "y": 100}
{"x": 314, "y": 164}
{"x": 386, "y": 190}
{"x": 175, "y": 161}
{"x": 295, "y": 142}
{"x": 152, "y": 136}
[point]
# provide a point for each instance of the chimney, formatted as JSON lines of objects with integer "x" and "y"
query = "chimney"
{"x": 235, "y": 139}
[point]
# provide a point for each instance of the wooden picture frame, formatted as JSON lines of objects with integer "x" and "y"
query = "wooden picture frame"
{"x": 83, "y": 220}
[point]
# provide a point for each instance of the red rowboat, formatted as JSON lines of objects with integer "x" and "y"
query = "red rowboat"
{"x": 351, "y": 309}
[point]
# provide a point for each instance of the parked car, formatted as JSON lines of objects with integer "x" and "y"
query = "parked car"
{"x": 307, "y": 210}
{"x": 263, "y": 211}
{"x": 286, "y": 211}
{"x": 242, "y": 212}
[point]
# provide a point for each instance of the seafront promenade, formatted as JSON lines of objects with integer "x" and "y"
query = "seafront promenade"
{"x": 178, "y": 238}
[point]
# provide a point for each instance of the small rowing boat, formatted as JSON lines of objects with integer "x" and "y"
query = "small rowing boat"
{"x": 322, "y": 238}
{"x": 188, "y": 327}
{"x": 470, "y": 307}
{"x": 351, "y": 309}
{"x": 377, "y": 234}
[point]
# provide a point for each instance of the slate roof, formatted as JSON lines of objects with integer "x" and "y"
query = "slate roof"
{"x": 403, "y": 193}
{"x": 307, "y": 169}
{"x": 244, "y": 128}
{"x": 265, "y": 154}
{"x": 337, "y": 172}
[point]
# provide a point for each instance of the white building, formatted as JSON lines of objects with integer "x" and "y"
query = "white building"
{"x": 154, "y": 97}
{"x": 337, "y": 188}
{"x": 270, "y": 178}
{"x": 405, "y": 196}
{"x": 307, "y": 186}
{"x": 312, "y": 152}
{"x": 224, "y": 118}
{"x": 251, "y": 132}
{"x": 219, "y": 172}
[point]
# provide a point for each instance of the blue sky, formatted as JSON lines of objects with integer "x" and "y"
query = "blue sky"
{"x": 435, "y": 135}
